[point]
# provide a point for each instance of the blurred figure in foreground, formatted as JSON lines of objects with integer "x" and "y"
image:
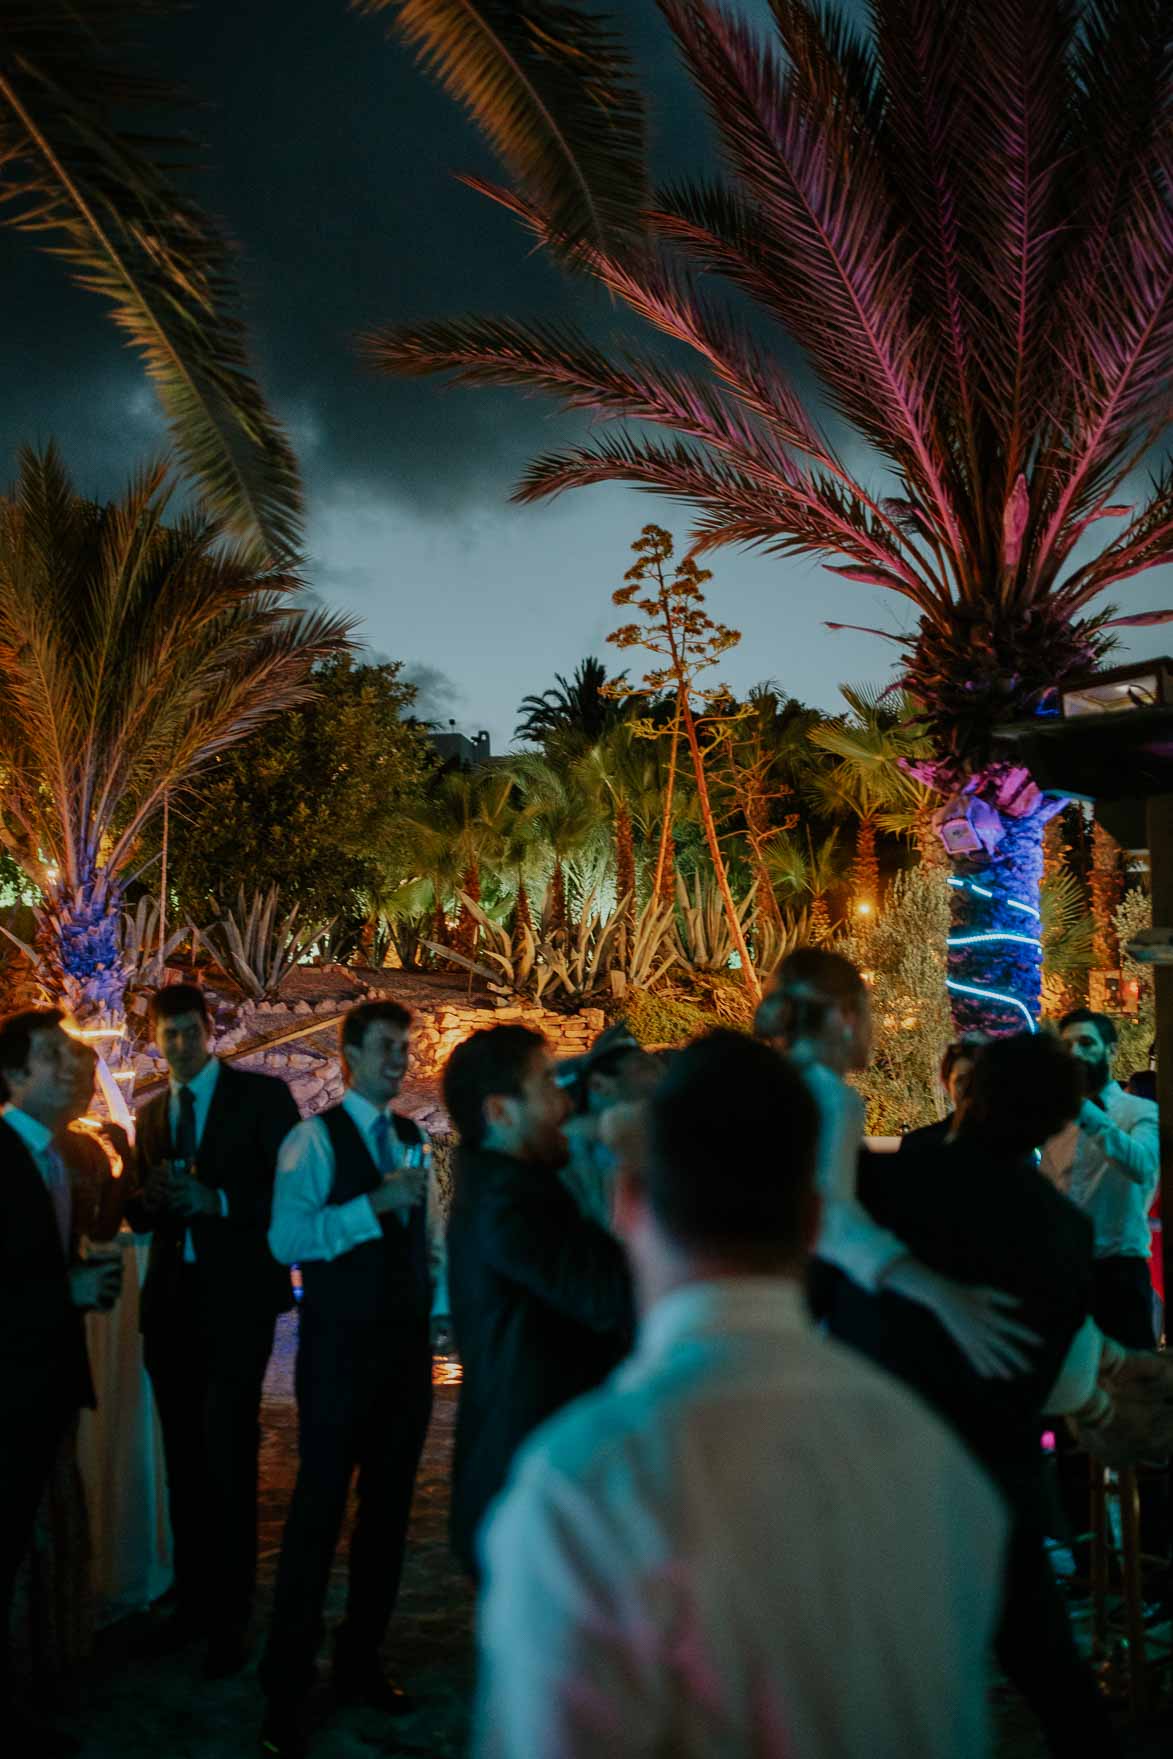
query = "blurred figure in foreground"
{"x": 748, "y": 1540}
{"x": 615, "y": 1071}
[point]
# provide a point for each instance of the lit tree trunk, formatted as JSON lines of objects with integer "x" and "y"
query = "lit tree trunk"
{"x": 995, "y": 954}
{"x": 820, "y": 920}
{"x": 522, "y": 914}
{"x": 81, "y": 968}
{"x": 664, "y": 882}
{"x": 556, "y": 900}
{"x": 1055, "y": 849}
{"x": 865, "y": 869}
{"x": 749, "y": 975}
{"x": 1106, "y": 883}
{"x": 933, "y": 854}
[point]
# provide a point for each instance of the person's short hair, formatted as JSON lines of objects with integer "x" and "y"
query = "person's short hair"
{"x": 963, "y": 1049}
{"x": 495, "y": 1060}
{"x": 806, "y": 985}
{"x": 357, "y": 1021}
{"x": 1103, "y": 1023}
{"x": 16, "y": 1038}
{"x": 175, "y": 999}
{"x": 1023, "y": 1090}
{"x": 732, "y": 1135}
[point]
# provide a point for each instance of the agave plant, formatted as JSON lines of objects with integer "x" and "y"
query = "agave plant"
{"x": 706, "y": 943}
{"x": 507, "y": 960}
{"x": 99, "y": 195}
{"x": 962, "y": 219}
{"x": 143, "y": 947}
{"x": 261, "y": 948}
{"x": 133, "y": 649}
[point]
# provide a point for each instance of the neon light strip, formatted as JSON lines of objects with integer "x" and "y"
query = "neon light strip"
{"x": 992, "y": 995}
{"x": 1028, "y": 908}
{"x": 983, "y": 892}
{"x": 973, "y": 940}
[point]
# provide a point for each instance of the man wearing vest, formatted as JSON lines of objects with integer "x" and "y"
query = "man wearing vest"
{"x": 355, "y": 1206}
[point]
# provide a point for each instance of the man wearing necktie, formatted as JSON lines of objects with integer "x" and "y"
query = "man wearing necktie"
{"x": 207, "y": 1151}
{"x": 44, "y": 1371}
{"x": 355, "y": 1206}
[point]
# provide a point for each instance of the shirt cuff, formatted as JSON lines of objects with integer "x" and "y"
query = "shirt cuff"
{"x": 223, "y": 1196}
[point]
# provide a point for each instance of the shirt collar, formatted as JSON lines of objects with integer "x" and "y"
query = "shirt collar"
{"x": 202, "y": 1085}
{"x": 362, "y": 1111}
{"x": 764, "y": 1304}
{"x": 35, "y": 1135}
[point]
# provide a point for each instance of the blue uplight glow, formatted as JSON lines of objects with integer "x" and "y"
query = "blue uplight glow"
{"x": 992, "y": 995}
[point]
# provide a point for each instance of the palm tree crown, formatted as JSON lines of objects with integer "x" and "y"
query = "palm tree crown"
{"x": 132, "y": 651}
{"x": 579, "y": 709}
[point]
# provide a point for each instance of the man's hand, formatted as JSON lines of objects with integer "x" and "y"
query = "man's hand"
{"x": 441, "y": 1334}
{"x": 190, "y": 1199}
{"x": 977, "y": 1319}
{"x": 96, "y": 1286}
{"x": 399, "y": 1191}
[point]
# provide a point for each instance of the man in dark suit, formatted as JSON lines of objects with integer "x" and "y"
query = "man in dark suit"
{"x": 356, "y": 1207}
{"x": 207, "y": 1152}
{"x": 44, "y": 1371}
{"x": 979, "y": 1210}
{"x": 541, "y": 1295}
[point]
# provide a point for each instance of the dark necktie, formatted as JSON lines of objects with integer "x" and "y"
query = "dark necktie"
{"x": 185, "y": 1134}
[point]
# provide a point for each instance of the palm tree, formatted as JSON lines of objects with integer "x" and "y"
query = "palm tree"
{"x": 578, "y": 712}
{"x": 869, "y": 780}
{"x": 461, "y": 826}
{"x": 565, "y": 822}
{"x": 133, "y": 649}
{"x": 962, "y": 220}
{"x": 98, "y": 194}
{"x": 805, "y": 872}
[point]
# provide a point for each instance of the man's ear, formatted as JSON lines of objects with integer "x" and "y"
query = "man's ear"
{"x": 497, "y": 1109}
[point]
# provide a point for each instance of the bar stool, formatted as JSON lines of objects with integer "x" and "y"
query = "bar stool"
{"x": 1120, "y": 1643}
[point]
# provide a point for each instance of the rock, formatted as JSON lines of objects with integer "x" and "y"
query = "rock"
{"x": 302, "y": 1008}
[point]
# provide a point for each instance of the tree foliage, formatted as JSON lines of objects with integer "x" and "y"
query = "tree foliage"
{"x": 313, "y": 804}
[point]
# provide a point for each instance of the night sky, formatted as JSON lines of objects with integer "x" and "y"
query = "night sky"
{"x": 329, "y": 158}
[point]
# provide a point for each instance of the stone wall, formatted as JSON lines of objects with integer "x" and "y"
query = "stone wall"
{"x": 311, "y": 1064}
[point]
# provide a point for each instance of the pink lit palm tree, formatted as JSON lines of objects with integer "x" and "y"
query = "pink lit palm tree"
{"x": 962, "y": 220}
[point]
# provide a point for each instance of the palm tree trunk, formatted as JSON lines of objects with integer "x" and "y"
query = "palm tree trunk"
{"x": 748, "y": 974}
{"x": 81, "y": 965}
{"x": 1106, "y": 883}
{"x": 466, "y": 926}
{"x": 664, "y": 882}
{"x": 820, "y": 920}
{"x": 995, "y": 955}
{"x": 865, "y": 868}
{"x": 932, "y": 851}
{"x": 556, "y": 900}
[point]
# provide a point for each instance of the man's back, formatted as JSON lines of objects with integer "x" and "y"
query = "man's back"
{"x": 749, "y": 1541}
{"x": 541, "y": 1309}
{"x": 992, "y": 1220}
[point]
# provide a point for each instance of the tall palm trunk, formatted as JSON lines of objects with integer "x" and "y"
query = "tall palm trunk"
{"x": 556, "y": 918}
{"x": 1106, "y": 883}
{"x": 748, "y": 975}
{"x": 995, "y": 958}
{"x": 522, "y": 914}
{"x": 466, "y": 926}
{"x": 933, "y": 854}
{"x": 820, "y": 920}
{"x": 865, "y": 867}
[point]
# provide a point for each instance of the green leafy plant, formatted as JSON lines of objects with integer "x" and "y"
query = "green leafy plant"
{"x": 260, "y": 948}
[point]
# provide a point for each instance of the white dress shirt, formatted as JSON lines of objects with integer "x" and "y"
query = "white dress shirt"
{"x": 1109, "y": 1163}
{"x": 748, "y": 1541}
{"x": 848, "y": 1236}
{"x": 38, "y": 1139}
{"x": 202, "y": 1086}
{"x": 306, "y": 1226}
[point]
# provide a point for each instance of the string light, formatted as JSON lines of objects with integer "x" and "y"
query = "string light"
{"x": 991, "y": 995}
{"x": 991, "y": 936}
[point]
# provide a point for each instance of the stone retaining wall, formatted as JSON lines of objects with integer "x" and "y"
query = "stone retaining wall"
{"x": 312, "y": 1066}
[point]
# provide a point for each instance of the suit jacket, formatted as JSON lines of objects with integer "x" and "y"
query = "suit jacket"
{"x": 986, "y": 1219}
{"x": 927, "y": 1136}
{"x": 238, "y": 1277}
{"x": 542, "y": 1311}
{"x": 44, "y": 1368}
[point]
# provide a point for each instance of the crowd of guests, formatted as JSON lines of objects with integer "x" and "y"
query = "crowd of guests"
{"x": 748, "y": 1453}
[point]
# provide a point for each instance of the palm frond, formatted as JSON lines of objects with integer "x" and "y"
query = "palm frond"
{"x": 551, "y": 87}
{"x": 101, "y": 199}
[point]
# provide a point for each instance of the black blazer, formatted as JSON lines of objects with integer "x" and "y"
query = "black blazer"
{"x": 982, "y": 1219}
{"x": 248, "y": 1119}
{"x": 542, "y": 1311}
{"x": 44, "y": 1369}
{"x": 928, "y": 1136}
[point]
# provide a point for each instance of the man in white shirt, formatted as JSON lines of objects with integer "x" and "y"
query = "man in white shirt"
{"x": 749, "y": 1540}
{"x": 1109, "y": 1164}
{"x": 44, "y": 1371}
{"x": 356, "y": 1207}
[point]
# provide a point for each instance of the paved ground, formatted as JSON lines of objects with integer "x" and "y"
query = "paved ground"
{"x": 138, "y": 1710}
